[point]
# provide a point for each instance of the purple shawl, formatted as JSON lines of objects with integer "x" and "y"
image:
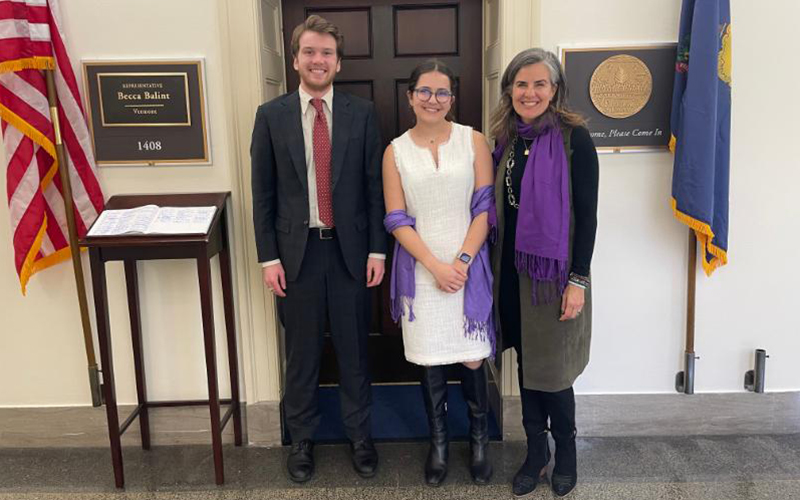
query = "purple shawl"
{"x": 542, "y": 246}
{"x": 478, "y": 317}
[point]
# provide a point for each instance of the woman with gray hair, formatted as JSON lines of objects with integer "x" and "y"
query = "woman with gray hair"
{"x": 546, "y": 194}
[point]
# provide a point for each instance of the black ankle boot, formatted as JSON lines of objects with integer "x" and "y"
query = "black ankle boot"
{"x": 475, "y": 387}
{"x": 565, "y": 472}
{"x": 534, "y": 421}
{"x": 533, "y": 470}
{"x": 434, "y": 392}
{"x": 561, "y": 408}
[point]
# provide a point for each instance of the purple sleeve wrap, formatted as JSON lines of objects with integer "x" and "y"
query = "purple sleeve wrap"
{"x": 401, "y": 286}
{"x": 478, "y": 290}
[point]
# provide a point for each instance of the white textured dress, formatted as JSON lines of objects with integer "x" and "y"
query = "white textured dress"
{"x": 439, "y": 199}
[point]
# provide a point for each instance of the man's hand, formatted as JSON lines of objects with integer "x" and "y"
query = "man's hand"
{"x": 375, "y": 270}
{"x": 275, "y": 279}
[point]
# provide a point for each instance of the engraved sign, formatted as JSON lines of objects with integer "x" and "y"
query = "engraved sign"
{"x": 624, "y": 92}
{"x": 144, "y": 99}
{"x": 621, "y": 86}
{"x": 147, "y": 112}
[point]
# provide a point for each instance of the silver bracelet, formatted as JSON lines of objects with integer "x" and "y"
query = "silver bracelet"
{"x": 579, "y": 281}
{"x": 579, "y": 285}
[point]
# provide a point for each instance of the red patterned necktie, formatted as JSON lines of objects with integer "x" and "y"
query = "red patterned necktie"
{"x": 322, "y": 163}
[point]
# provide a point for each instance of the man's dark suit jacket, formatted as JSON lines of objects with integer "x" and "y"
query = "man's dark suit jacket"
{"x": 280, "y": 182}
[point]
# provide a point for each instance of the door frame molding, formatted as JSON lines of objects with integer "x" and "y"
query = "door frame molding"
{"x": 516, "y": 28}
{"x": 240, "y": 33}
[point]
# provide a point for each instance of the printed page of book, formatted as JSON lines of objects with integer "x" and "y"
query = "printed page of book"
{"x": 182, "y": 220}
{"x": 131, "y": 220}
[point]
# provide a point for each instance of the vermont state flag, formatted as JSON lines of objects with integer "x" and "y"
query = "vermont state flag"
{"x": 701, "y": 124}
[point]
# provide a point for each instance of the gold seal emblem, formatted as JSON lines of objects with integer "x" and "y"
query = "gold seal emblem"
{"x": 621, "y": 86}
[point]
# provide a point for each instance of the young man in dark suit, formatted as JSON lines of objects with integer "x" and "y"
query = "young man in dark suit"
{"x": 318, "y": 212}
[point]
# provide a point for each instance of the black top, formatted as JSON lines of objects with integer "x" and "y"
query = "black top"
{"x": 585, "y": 174}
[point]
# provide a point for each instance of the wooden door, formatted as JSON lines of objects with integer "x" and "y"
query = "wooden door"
{"x": 384, "y": 41}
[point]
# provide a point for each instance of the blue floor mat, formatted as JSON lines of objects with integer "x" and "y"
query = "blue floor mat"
{"x": 398, "y": 413}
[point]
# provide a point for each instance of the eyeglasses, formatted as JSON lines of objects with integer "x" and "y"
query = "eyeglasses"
{"x": 442, "y": 95}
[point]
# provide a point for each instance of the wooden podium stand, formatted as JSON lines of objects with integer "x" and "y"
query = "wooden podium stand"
{"x": 132, "y": 248}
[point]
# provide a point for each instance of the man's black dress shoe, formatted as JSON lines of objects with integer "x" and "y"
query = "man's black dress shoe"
{"x": 301, "y": 461}
{"x": 365, "y": 457}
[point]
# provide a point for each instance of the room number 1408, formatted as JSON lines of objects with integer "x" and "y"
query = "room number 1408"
{"x": 149, "y": 145}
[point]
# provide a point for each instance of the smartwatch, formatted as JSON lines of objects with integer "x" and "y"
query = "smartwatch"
{"x": 465, "y": 258}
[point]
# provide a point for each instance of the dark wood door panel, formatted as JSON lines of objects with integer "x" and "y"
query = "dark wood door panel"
{"x": 401, "y": 35}
{"x": 361, "y": 88}
{"x": 426, "y": 30}
{"x": 384, "y": 41}
{"x": 355, "y": 22}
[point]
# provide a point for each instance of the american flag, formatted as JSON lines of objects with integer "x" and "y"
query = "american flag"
{"x": 31, "y": 40}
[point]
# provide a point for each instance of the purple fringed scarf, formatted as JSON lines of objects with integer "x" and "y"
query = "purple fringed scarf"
{"x": 402, "y": 286}
{"x": 478, "y": 317}
{"x": 542, "y": 247}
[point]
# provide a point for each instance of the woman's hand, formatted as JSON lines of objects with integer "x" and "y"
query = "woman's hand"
{"x": 449, "y": 278}
{"x": 461, "y": 266}
{"x": 571, "y": 302}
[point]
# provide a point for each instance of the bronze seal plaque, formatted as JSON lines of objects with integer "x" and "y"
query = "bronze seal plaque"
{"x": 621, "y": 86}
{"x": 625, "y": 93}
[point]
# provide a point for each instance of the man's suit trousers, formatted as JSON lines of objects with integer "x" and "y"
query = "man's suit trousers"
{"x": 324, "y": 289}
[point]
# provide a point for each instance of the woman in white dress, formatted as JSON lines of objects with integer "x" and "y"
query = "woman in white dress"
{"x": 437, "y": 184}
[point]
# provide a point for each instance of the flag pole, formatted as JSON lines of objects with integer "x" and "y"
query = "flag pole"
{"x": 66, "y": 191}
{"x": 684, "y": 381}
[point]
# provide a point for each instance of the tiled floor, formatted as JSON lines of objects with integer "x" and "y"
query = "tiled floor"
{"x": 697, "y": 467}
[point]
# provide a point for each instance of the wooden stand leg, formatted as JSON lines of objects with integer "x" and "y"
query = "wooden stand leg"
{"x": 104, "y": 337}
{"x": 132, "y": 283}
{"x": 230, "y": 330}
{"x": 207, "y": 307}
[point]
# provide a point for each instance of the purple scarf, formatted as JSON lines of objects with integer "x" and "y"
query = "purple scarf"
{"x": 478, "y": 317}
{"x": 542, "y": 245}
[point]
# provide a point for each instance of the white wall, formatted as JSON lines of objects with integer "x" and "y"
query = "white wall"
{"x": 639, "y": 267}
{"x": 42, "y": 361}
{"x": 752, "y": 304}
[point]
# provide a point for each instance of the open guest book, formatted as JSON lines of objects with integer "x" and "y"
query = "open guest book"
{"x": 151, "y": 219}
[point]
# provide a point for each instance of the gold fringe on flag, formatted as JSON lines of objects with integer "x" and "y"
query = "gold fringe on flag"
{"x": 28, "y": 130}
{"x": 31, "y": 266}
{"x": 27, "y": 269}
{"x": 36, "y": 62}
{"x": 52, "y": 259}
{"x": 704, "y": 235}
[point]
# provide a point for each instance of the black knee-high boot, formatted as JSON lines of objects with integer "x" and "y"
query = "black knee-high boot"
{"x": 561, "y": 409}
{"x": 475, "y": 387}
{"x": 534, "y": 421}
{"x": 434, "y": 392}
